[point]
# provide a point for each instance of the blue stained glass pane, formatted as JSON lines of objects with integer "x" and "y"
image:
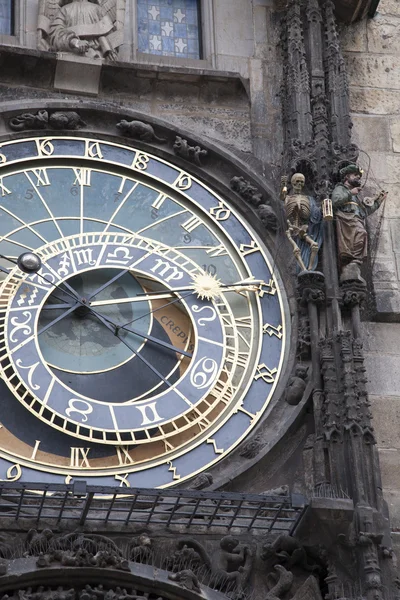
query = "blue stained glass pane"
{"x": 193, "y": 46}
{"x": 154, "y": 27}
{"x": 168, "y": 44}
{"x": 167, "y": 13}
{"x": 180, "y": 30}
{"x": 6, "y": 9}
{"x": 169, "y": 27}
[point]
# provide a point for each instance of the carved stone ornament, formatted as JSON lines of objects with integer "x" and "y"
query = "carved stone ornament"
{"x": 87, "y": 592}
{"x": 311, "y": 287}
{"x": 287, "y": 550}
{"x": 186, "y": 579}
{"x": 230, "y": 567}
{"x": 283, "y": 585}
{"x": 201, "y": 482}
{"x": 353, "y": 293}
{"x": 89, "y": 28}
{"x": 139, "y": 131}
{"x": 296, "y": 385}
{"x": 250, "y": 194}
{"x": 140, "y": 549}
{"x": 74, "y": 550}
{"x": 42, "y": 120}
{"x": 251, "y": 448}
{"x": 193, "y": 154}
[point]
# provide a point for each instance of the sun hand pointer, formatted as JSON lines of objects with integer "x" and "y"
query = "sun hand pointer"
{"x": 205, "y": 287}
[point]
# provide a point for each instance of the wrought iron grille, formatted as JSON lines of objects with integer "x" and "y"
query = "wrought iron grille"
{"x": 175, "y": 509}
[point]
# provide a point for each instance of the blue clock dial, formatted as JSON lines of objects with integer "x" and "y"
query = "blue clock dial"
{"x": 152, "y": 338}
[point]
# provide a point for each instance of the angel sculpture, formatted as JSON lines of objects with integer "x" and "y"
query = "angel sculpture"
{"x": 90, "y": 28}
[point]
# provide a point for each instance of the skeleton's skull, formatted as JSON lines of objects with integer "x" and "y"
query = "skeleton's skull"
{"x": 298, "y": 180}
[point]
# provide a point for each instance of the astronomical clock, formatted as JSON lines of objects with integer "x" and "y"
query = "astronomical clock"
{"x": 142, "y": 330}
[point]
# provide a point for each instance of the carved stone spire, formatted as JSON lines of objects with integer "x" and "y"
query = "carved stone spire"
{"x": 337, "y": 84}
{"x": 297, "y": 81}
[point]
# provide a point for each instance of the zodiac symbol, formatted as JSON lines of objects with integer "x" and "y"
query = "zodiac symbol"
{"x": 204, "y": 320}
{"x": 26, "y": 330}
{"x": 204, "y": 372}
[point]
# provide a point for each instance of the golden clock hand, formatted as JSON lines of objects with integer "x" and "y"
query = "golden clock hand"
{"x": 240, "y": 286}
{"x": 159, "y": 308}
{"x": 139, "y": 298}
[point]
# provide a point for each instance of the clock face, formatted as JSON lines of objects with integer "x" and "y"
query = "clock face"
{"x": 150, "y": 341}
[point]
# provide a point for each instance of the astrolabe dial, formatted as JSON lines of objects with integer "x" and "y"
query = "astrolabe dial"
{"x": 152, "y": 337}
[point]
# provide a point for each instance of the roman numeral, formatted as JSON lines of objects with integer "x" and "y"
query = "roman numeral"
{"x": 123, "y": 479}
{"x": 124, "y": 458}
{"x": 191, "y": 224}
{"x": 217, "y": 251}
{"x": 159, "y": 201}
{"x": 34, "y": 451}
{"x": 79, "y": 457}
{"x": 3, "y": 188}
{"x": 42, "y": 177}
{"x": 82, "y": 177}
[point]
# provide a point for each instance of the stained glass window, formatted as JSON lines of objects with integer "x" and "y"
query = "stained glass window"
{"x": 169, "y": 27}
{"x": 6, "y": 21}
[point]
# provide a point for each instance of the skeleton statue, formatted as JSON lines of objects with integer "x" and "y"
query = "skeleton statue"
{"x": 304, "y": 220}
{"x": 90, "y": 28}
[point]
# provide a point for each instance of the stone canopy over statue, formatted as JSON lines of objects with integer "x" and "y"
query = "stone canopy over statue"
{"x": 89, "y": 28}
{"x": 351, "y": 211}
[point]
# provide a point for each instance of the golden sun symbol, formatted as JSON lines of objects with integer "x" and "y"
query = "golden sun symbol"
{"x": 206, "y": 286}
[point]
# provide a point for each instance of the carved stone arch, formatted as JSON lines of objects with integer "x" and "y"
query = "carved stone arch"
{"x": 102, "y": 120}
{"x": 25, "y": 580}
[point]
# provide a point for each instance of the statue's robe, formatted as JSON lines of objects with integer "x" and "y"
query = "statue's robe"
{"x": 83, "y": 20}
{"x": 315, "y": 231}
{"x": 351, "y": 213}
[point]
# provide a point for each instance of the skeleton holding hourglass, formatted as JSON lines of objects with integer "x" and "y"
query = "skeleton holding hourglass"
{"x": 304, "y": 222}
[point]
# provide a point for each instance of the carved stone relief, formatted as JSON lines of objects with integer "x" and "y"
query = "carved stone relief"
{"x": 194, "y": 154}
{"x": 43, "y": 120}
{"x": 92, "y": 29}
{"x": 254, "y": 197}
{"x": 139, "y": 131}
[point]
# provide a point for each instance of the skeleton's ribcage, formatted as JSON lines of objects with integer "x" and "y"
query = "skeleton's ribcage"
{"x": 298, "y": 210}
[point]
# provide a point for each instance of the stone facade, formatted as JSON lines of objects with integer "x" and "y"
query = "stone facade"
{"x": 269, "y": 96}
{"x": 372, "y": 54}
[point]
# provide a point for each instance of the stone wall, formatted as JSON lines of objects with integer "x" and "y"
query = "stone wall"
{"x": 372, "y": 52}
